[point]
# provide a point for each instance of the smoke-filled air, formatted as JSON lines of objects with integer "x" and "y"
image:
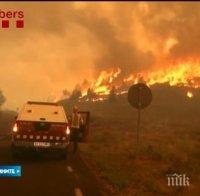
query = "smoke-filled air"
{"x": 80, "y": 45}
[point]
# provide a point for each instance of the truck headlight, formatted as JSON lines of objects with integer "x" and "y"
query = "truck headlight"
{"x": 67, "y": 131}
{"x": 15, "y": 128}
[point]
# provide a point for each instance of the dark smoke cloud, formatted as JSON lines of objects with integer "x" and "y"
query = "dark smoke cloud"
{"x": 64, "y": 43}
{"x": 179, "y": 20}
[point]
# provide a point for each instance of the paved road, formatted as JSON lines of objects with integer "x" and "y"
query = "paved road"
{"x": 47, "y": 176}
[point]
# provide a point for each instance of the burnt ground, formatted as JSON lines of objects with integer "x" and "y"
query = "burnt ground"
{"x": 169, "y": 143}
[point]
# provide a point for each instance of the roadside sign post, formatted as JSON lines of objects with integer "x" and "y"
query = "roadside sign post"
{"x": 139, "y": 97}
{"x": 139, "y": 113}
{"x": 138, "y": 125}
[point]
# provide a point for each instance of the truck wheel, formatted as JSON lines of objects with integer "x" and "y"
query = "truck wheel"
{"x": 64, "y": 155}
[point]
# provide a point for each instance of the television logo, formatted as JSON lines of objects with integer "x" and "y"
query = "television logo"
{"x": 10, "y": 171}
{"x": 178, "y": 180}
{"x": 12, "y": 18}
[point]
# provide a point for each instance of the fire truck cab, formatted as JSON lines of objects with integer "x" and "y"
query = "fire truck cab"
{"x": 41, "y": 126}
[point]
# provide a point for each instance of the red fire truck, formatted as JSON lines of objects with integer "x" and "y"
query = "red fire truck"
{"x": 41, "y": 126}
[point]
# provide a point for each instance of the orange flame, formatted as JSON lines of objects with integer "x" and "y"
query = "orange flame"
{"x": 103, "y": 82}
{"x": 182, "y": 73}
{"x": 190, "y": 94}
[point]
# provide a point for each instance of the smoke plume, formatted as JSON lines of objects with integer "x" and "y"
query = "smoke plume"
{"x": 65, "y": 43}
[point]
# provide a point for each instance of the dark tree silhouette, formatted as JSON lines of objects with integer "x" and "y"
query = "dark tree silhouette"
{"x": 90, "y": 94}
{"x": 66, "y": 93}
{"x": 112, "y": 96}
{"x": 76, "y": 94}
{"x": 2, "y": 98}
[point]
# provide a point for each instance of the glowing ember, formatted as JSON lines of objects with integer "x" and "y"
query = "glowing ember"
{"x": 190, "y": 94}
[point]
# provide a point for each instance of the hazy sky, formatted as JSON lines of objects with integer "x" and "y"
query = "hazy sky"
{"x": 64, "y": 43}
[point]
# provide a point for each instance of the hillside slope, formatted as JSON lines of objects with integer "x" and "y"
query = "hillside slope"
{"x": 169, "y": 143}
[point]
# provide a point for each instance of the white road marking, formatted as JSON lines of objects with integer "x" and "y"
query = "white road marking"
{"x": 69, "y": 169}
{"x": 78, "y": 192}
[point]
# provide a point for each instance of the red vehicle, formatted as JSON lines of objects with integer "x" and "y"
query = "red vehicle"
{"x": 41, "y": 126}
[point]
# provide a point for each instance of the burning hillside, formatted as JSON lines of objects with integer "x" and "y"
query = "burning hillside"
{"x": 98, "y": 47}
{"x": 181, "y": 74}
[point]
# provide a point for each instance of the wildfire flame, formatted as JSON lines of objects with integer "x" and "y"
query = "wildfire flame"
{"x": 102, "y": 84}
{"x": 181, "y": 73}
